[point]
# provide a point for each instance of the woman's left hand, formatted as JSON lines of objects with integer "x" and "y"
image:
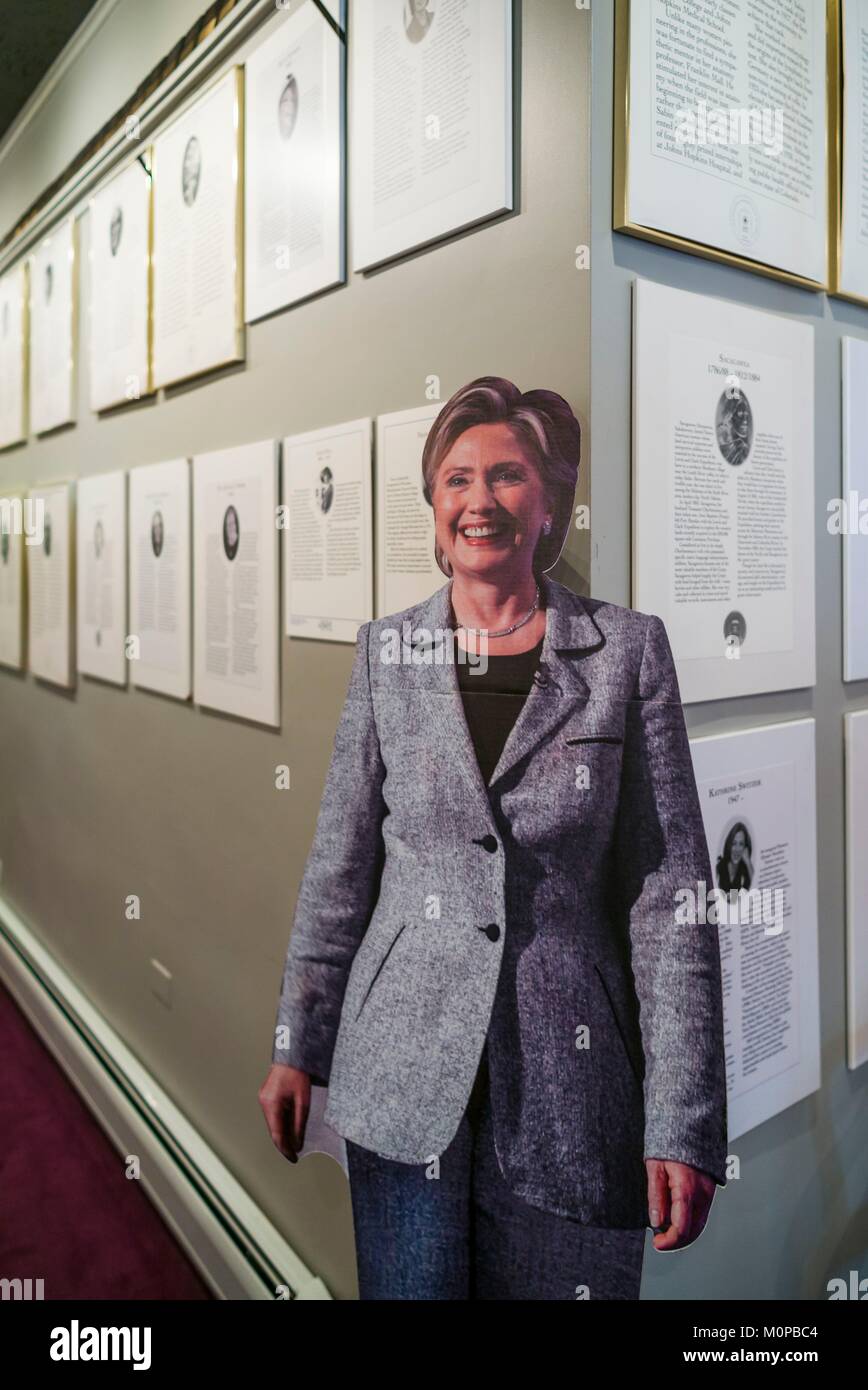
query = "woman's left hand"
{"x": 679, "y": 1200}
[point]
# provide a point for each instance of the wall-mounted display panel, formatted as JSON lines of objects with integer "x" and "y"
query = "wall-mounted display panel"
{"x": 329, "y": 532}
{"x": 236, "y": 632}
{"x": 53, "y": 321}
{"x": 14, "y": 296}
{"x": 12, "y": 590}
{"x": 431, "y": 121}
{"x": 294, "y": 166}
{"x": 51, "y": 585}
{"x": 721, "y": 132}
{"x": 119, "y": 255}
{"x": 161, "y": 578}
{"x": 856, "y": 757}
{"x": 723, "y": 488}
{"x": 198, "y": 236}
{"x": 101, "y": 581}
{"x": 758, "y": 797}
{"x": 407, "y": 571}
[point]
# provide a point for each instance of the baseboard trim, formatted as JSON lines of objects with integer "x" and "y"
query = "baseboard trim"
{"x": 232, "y": 1243}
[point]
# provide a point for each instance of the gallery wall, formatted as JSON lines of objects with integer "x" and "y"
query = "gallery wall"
{"x": 108, "y": 793}
{"x": 797, "y": 1214}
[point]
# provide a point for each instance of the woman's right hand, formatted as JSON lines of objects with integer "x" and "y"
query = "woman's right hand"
{"x": 285, "y": 1099}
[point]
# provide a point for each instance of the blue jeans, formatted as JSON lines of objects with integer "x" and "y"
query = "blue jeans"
{"x": 452, "y": 1229}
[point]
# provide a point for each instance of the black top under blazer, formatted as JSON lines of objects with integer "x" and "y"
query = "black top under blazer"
{"x": 538, "y": 912}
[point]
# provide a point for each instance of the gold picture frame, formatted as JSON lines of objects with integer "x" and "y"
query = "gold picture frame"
{"x": 621, "y": 221}
{"x": 836, "y": 154}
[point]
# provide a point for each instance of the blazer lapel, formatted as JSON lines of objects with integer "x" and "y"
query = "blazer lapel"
{"x": 557, "y": 687}
{"x": 559, "y": 684}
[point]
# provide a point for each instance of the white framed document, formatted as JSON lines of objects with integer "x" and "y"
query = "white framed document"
{"x": 431, "y": 121}
{"x": 198, "y": 234}
{"x": 848, "y": 232}
{"x": 13, "y": 355}
{"x": 101, "y": 576}
{"x": 120, "y": 258}
{"x": 328, "y": 561}
{"x": 856, "y": 800}
{"x": 723, "y": 487}
{"x": 51, "y": 585}
{"x": 294, "y": 242}
{"x": 852, "y": 524}
{"x": 12, "y": 547}
{"x": 407, "y": 571}
{"x": 236, "y": 601}
{"x": 161, "y": 622}
{"x": 758, "y": 797}
{"x": 720, "y": 132}
{"x": 53, "y": 319}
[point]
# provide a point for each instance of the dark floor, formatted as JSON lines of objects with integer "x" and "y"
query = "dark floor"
{"x": 68, "y": 1213}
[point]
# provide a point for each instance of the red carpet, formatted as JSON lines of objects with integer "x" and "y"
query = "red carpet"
{"x": 68, "y": 1214}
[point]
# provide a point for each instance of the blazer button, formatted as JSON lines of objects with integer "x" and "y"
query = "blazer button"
{"x": 492, "y": 931}
{"x": 488, "y": 842}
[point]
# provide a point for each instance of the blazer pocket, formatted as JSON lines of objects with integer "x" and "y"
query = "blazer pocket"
{"x": 376, "y": 974}
{"x": 595, "y": 738}
{"x": 618, "y": 1024}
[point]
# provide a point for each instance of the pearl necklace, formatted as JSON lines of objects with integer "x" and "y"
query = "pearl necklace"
{"x": 504, "y": 631}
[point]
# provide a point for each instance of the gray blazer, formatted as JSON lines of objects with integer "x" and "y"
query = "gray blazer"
{"x": 540, "y": 912}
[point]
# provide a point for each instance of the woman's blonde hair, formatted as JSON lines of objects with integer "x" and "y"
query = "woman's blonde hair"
{"x": 546, "y": 424}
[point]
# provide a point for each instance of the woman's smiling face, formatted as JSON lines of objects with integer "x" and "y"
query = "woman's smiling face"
{"x": 490, "y": 503}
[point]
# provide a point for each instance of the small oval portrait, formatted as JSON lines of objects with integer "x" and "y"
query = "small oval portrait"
{"x": 49, "y": 282}
{"x": 287, "y": 107}
{"x": 116, "y": 227}
{"x": 4, "y": 546}
{"x": 4, "y": 318}
{"x": 733, "y": 425}
{"x": 325, "y": 490}
{"x": 418, "y": 18}
{"x": 46, "y": 534}
{"x": 157, "y": 533}
{"x": 98, "y": 539}
{"x": 231, "y": 532}
{"x": 734, "y": 628}
{"x": 191, "y": 170}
